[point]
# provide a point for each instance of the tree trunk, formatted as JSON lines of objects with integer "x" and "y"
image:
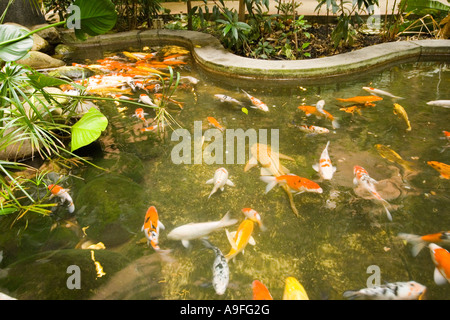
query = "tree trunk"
{"x": 189, "y": 8}
{"x": 22, "y": 12}
{"x": 241, "y": 10}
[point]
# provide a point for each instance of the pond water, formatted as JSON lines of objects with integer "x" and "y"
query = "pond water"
{"x": 339, "y": 236}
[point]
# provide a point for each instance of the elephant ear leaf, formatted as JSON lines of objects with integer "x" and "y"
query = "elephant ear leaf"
{"x": 96, "y": 17}
{"x": 14, "y": 50}
{"x": 88, "y": 128}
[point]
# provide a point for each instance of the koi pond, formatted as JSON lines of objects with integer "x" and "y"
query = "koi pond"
{"x": 340, "y": 239}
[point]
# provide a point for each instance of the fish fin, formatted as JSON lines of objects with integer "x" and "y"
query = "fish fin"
{"x": 186, "y": 243}
{"x": 389, "y": 216}
{"x": 285, "y": 157}
{"x": 297, "y": 192}
{"x": 335, "y": 124}
{"x": 271, "y": 182}
{"x": 212, "y": 191}
{"x": 252, "y": 241}
{"x": 373, "y": 180}
{"x": 207, "y": 244}
{"x": 350, "y": 294}
{"x": 355, "y": 181}
{"x": 226, "y": 221}
{"x": 222, "y": 188}
{"x": 210, "y": 181}
{"x": 316, "y": 167}
{"x": 230, "y": 237}
{"x": 286, "y": 170}
{"x": 252, "y": 162}
{"x": 230, "y": 183}
{"x": 142, "y": 229}
{"x": 334, "y": 169}
{"x": 161, "y": 225}
{"x": 439, "y": 278}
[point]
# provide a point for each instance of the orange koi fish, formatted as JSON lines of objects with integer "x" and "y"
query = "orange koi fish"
{"x": 419, "y": 242}
{"x": 319, "y": 112}
{"x": 151, "y": 227}
{"x": 446, "y": 134}
{"x": 62, "y": 193}
{"x": 254, "y": 216}
{"x": 293, "y": 290}
{"x": 257, "y": 104}
{"x": 260, "y": 291}
{"x": 212, "y": 121}
{"x": 140, "y": 114}
{"x": 365, "y": 100}
{"x": 442, "y": 168}
{"x": 154, "y": 128}
{"x": 352, "y": 110}
{"x": 362, "y": 178}
{"x": 441, "y": 259}
{"x": 240, "y": 238}
{"x": 295, "y": 183}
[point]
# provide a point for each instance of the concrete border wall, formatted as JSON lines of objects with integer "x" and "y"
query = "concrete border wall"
{"x": 210, "y": 55}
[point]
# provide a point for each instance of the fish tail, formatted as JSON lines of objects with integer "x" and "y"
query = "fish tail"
{"x": 226, "y": 221}
{"x": 351, "y": 294}
{"x": 271, "y": 182}
{"x": 212, "y": 192}
{"x": 335, "y": 124}
{"x": 417, "y": 243}
{"x": 388, "y": 213}
{"x": 207, "y": 244}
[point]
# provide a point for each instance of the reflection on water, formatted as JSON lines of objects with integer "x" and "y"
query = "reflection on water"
{"x": 341, "y": 232}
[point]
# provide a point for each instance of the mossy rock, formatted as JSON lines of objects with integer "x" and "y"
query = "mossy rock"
{"x": 45, "y": 276}
{"x": 113, "y": 207}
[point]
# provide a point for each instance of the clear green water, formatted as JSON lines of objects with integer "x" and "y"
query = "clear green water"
{"x": 328, "y": 249}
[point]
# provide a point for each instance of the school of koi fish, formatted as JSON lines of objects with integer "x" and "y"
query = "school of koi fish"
{"x": 132, "y": 74}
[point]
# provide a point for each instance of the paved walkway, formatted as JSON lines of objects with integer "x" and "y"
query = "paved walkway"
{"x": 306, "y": 8}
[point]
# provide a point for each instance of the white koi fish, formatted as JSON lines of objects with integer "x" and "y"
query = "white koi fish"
{"x": 410, "y": 290}
{"x": 363, "y": 179}
{"x": 63, "y": 194}
{"x": 146, "y": 99}
{"x": 221, "y": 271}
{"x": 324, "y": 167}
{"x": 228, "y": 99}
{"x": 378, "y": 92}
{"x": 257, "y": 104}
{"x": 420, "y": 242}
{"x": 190, "y": 79}
{"x": 193, "y": 231}
{"x": 219, "y": 180}
{"x": 439, "y": 103}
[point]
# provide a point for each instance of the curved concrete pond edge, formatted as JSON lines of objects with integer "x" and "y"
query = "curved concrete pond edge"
{"x": 210, "y": 55}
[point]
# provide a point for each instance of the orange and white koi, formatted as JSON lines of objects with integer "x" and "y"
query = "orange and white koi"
{"x": 240, "y": 238}
{"x": 146, "y": 99}
{"x": 260, "y": 291}
{"x": 378, "y": 92}
{"x": 312, "y": 130}
{"x": 442, "y": 168}
{"x": 441, "y": 260}
{"x": 254, "y": 216}
{"x": 63, "y": 194}
{"x": 219, "y": 181}
{"x": 293, "y": 290}
{"x": 140, "y": 114}
{"x": 363, "y": 179}
{"x": 257, "y": 104}
{"x": 420, "y": 242}
{"x": 319, "y": 112}
{"x": 324, "y": 167}
{"x": 154, "y": 127}
{"x": 410, "y": 290}
{"x": 295, "y": 183}
{"x": 213, "y": 122}
{"x": 446, "y": 134}
{"x": 151, "y": 227}
{"x": 121, "y": 97}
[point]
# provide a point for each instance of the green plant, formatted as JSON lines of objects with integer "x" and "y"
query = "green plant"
{"x": 234, "y": 33}
{"x": 264, "y": 50}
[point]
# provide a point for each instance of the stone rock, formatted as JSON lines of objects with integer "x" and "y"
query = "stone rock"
{"x": 64, "y": 49}
{"x": 40, "y": 60}
{"x": 72, "y": 72}
{"x": 51, "y": 35}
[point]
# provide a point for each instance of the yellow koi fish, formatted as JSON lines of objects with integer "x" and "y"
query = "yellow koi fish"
{"x": 293, "y": 290}
{"x": 239, "y": 239}
{"x": 400, "y": 111}
{"x": 393, "y": 156}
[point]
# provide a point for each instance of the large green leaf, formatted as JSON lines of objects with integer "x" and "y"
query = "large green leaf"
{"x": 97, "y": 17}
{"x": 15, "y": 50}
{"x": 88, "y": 128}
{"x": 422, "y": 7}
